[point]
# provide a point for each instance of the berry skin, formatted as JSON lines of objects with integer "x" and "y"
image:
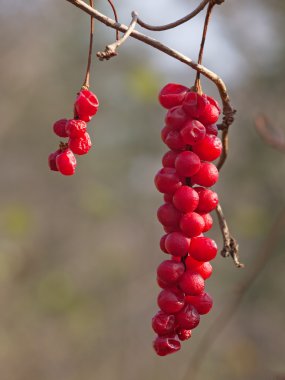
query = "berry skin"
{"x": 170, "y": 301}
{"x": 164, "y": 346}
{"x": 208, "y": 200}
{"x": 192, "y": 283}
{"x": 170, "y": 271}
{"x": 164, "y": 132}
{"x": 172, "y": 95}
{"x": 208, "y": 149}
{"x": 192, "y": 224}
{"x": 193, "y": 132}
{"x": 187, "y": 164}
{"x": 168, "y": 160}
{"x": 188, "y": 318}
{"x": 211, "y": 112}
{"x": 203, "y": 249}
{"x": 205, "y": 270}
{"x": 194, "y": 105}
{"x": 192, "y": 263}
{"x": 86, "y": 105}
{"x": 75, "y": 128}
{"x": 167, "y": 181}
{"x": 208, "y": 220}
{"x": 59, "y": 128}
{"x": 176, "y": 118}
{"x": 168, "y": 215}
{"x": 177, "y": 244}
{"x": 66, "y": 162}
{"x": 174, "y": 140}
{"x": 183, "y": 334}
{"x": 207, "y": 175}
{"x": 167, "y": 198}
{"x": 163, "y": 323}
{"x": 162, "y": 243}
{"x": 186, "y": 199}
{"x": 80, "y": 145}
{"x": 52, "y": 160}
{"x": 202, "y": 303}
{"x": 212, "y": 129}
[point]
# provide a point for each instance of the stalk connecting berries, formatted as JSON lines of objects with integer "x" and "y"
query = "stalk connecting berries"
{"x": 79, "y": 142}
{"x": 190, "y": 133}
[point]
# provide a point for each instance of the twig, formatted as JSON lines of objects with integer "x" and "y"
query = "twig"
{"x": 86, "y": 82}
{"x": 230, "y": 247}
{"x": 228, "y": 110}
{"x": 115, "y": 16}
{"x": 224, "y": 318}
{"x": 275, "y": 139}
{"x": 111, "y": 50}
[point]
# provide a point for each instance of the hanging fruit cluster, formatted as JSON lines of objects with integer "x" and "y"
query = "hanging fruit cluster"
{"x": 190, "y": 133}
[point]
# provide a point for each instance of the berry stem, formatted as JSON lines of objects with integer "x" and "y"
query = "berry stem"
{"x": 197, "y": 85}
{"x": 115, "y": 17}
{"x": 86, "y": 82}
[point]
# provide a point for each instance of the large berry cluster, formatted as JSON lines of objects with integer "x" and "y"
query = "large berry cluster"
{"x": 190, "y": 133}
{"x": 79, "y": 142}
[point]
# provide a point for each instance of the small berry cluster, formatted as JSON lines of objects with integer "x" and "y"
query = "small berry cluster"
{"x": 63, "y": 159}
{"x": 191, "y": 135}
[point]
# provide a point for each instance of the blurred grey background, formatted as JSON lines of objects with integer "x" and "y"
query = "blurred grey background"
{"x": 78, "y": 255}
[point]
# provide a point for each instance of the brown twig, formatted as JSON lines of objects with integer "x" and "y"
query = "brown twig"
{"x": 111, "y": 50}
{"x": 115, "y": 17}
{"x": 230, "y": 247}
{"x": 86, "y": 82}
{"x": 228, "y": 110}
{"x": 270, "y": 134}
{"x": 224, "y": 318}
{"x": 197, "y": 84}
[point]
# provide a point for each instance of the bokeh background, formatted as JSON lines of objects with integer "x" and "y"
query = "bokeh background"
{"x": 78, "y": 255}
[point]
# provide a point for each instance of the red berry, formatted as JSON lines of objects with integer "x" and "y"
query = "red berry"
{"x": 176, "y": 118}
{"x": 212, "y": 129}
{"x": 174, "y": 140}
{"x": 168, "y": 160}
{"x": 193, "y": 132}
{"x": 211, "y": 112}
{"x": 52, "y": 160}
{"x": 192, "y": 263}
{"x": 66, "y": 162}
{"x": 192, "y": 224}
{"x": 164, "y": 346}
{"x": 172, "y": 95}
{"x": 188, "y": 318}
{"x": 183, "y": 334}
{"x": 187, "y": 164}
{"x": 208, "y": 200}
{"x": 167, "y": 181}
{"x": 205, "y": 270}
{"x": 86, "y": 105}
{"x": 168, "y": 215}
{"x": 170, "y": 301}
{"x": 194, "y": 104}
{"x": 168, "y": 230}
{"x": 208, "y": 220}
{"x": 59, "y": 128}
{"x": 163, "y": 323}
{"x": 167, "y": 198}
{"x": 185, "y": 199}
{"x": 207, "y": 176}
{"x": 75, "y": 128}
{"x": 164, "y": 132}
{"x": 192, "y": 283}
{"x": 80, "y": 145}
{"x": 162, "y": 243}
{"x": 202, "y": 303}
{"x": 203, "y": 248}
{"x": 170, "y": 271}
{"x": 209, "y": 148}
{"x": 177, "y": 244}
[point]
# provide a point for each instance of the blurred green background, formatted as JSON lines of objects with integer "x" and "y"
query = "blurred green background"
{"x": 78, "y": 255}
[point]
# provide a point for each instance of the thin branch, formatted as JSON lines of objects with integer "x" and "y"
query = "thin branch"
{"x": 228, "y": 110}
{"x": 111, "y": 50}
{"x": 174, "y": 24}
{"x": 220, "y": 323}
{"x": 86, "y": 82}
{"x": 115, "y": 16}
{"x": 230, "y": 247}
{"x": 270, "y": 134}
{"x": 197, "y": 84}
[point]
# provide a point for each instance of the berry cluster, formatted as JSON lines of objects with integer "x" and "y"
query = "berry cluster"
{"x": 191, "y": 135}
{"x": 63, "y": 159}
